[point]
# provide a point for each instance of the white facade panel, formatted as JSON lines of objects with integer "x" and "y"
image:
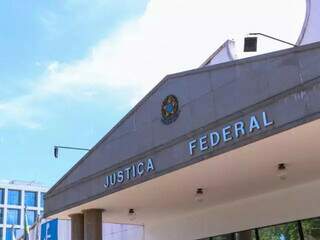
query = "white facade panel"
{"x": 64, "y": 229}
{"x": 122, "y": 232}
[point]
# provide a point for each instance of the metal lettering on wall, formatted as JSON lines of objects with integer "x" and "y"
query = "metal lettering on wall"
{"x": 131, "y": 172}
{"x": 213, "y": 139}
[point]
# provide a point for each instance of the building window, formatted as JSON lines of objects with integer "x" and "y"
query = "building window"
{"x": 31, "y": 216}
{"x": 1, "y": 215}
{"x": 13, "y": 216}
{"x": 244, "y": 235}
{"x": 300, "y": 230}
{"x": 223, "y": 237}
{"x": 30, "y": 199}
{"x": 1, "y": 196}
{"x": 42, "y": 200}
{"x": 9, "y": 232}
{"x": 14, "y": 197}
{"x": 1, "y": 234}
{"x": 281, "y": 232}
{"x": 311, "y": 229}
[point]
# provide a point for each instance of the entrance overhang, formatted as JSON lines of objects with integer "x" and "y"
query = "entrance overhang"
{"x": 247, "y": 171}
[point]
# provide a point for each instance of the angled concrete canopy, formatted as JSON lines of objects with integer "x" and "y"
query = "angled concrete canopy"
{"x": 267, "y": 93}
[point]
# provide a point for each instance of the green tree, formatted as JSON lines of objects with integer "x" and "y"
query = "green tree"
{"x": 280, "y": 232}
{"x": 311, "y": 229}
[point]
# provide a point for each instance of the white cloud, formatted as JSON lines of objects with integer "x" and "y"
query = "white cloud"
{"x": 21, "y": 112}
{"x": 171, "y": 36}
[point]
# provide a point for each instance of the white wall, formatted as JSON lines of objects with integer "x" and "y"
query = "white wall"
{"x": 64, "y": 229}
{"x": 299, "y": 202}
{"x": 122, "y": 232}
{"x": 110, "y": 231}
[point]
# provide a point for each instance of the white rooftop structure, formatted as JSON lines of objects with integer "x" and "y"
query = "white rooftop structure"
{"x": 309, "y": 34}
{"x": 310, "y": 31}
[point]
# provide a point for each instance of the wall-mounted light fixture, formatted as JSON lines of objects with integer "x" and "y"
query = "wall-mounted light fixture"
{"x": 132, "y": 214}
{"x": 282, "y": 171}
{"x": 199, "y": 197}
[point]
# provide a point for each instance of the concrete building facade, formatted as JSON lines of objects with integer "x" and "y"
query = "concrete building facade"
{"x": 228, "y": 151}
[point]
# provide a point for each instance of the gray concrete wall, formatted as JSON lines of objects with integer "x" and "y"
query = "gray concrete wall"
{"x": 285, "y": 84}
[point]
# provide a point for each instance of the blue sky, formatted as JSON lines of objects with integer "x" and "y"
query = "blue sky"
{"x": 70, "y": 69}
{"x": 33, "y": 35}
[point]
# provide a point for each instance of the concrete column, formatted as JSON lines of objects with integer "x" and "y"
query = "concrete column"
{"x": 93, "y": 224}
{"x": 77, "y": 229}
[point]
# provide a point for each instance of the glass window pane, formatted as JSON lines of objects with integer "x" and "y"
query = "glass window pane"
{"x": 1, "y": 232}
{"x": 9, "y": 232}
{"x": 311, "y": 229}
{"x": 19, "y": 233}
{"x": 13, "y": 216}
{"x": 30, "y": 199}
{"x": 1, "y": 196}
{"x": 280, "y": 232}
{"x": 1, "y": 215}
{"x": 223, "y": 237}
{"x": 42, "y": 200}
{"x": 31, "y": 216}
{"x": 14, "y": 197}
{"x": 245, "y": 235}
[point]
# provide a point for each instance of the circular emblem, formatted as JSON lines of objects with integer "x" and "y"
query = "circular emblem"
{"x": 170, "y": 109}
